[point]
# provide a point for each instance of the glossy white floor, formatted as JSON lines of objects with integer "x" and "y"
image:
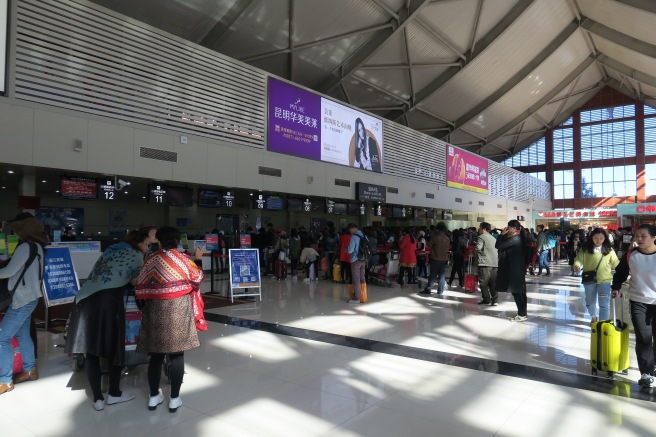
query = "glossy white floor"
{"x": 247, "y": 381}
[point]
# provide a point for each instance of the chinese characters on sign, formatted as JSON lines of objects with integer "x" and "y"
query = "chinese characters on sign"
{"x": 466, "y": 171}
{"x": 583, "y": 213}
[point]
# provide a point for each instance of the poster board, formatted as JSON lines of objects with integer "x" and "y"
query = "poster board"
{"x": 245, "y": 272}
{"x": 60, "y": 284}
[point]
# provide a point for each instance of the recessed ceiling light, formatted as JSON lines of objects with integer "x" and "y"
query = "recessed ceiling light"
{"x": 56, "y": 191}
{"x": 44, "y": 181}
{"x": 125, "y": 192}
{"x": 143, "y": 197}
{"x": 10, "y": 171}
{"x": 4, "y": 188}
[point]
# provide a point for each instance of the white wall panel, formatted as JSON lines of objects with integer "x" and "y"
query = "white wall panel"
{"x": 111, "y": 148}
{"x": 222, "y": 165}
{"x": 191, "y": 160}
{"x": 54, "y": 137}
{"x": 16, "y": 124}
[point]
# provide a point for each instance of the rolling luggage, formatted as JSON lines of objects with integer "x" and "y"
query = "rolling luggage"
{"x": 471, "y": 280}
{"x": 363, "y": 293}
{"x": 609, "y": 344}
{"x": 281, "y": 269}
{"x": 337, "y": 273}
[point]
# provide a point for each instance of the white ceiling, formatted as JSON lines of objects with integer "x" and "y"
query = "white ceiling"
{"x": 487, "y": 75}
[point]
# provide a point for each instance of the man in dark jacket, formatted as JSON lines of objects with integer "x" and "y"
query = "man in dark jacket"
{"x": 439, "y": 255}
{"x": 510, "y": 275}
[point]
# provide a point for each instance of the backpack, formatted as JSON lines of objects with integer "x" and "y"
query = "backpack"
{"x": 364, "y": 249}
{"x": 551, "y": 240}
{"x": 7, "y": 294}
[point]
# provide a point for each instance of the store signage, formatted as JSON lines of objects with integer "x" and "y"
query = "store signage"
{"x": 636, "y": 208}
{"x": 579, "y": 213}
{"x": 374, "y": 193}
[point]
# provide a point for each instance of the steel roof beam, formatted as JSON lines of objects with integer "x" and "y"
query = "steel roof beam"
{"x": 619, "y": 38}
{"x": 625, "y": 70}
{"x": 371, "y": 47}
{"x": 556, "y": 43}
{"x": 543, "y": 101}
{"x": 220, "y": 30}
{"x": 643, "y": 5}
{"x": 536, "y": 136}
{"x": 514, "y": 13}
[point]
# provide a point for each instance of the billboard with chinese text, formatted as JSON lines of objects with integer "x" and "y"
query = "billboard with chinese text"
{"x": 466, "y": 171}
{"x": 304, "y": 124}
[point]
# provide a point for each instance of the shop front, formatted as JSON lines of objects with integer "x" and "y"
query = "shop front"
{"x": 577, "y": 218}
{"x": 635, "y": 214}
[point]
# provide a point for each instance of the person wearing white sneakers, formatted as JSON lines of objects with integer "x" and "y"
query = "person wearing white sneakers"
{"x": 97, "y": 326}
{"x": 169, "y": 324}
{"x": 639, "y": 263}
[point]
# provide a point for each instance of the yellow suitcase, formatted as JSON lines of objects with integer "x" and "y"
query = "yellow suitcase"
{"x": 337, "y": 273}
{"x": 609, "y": 344}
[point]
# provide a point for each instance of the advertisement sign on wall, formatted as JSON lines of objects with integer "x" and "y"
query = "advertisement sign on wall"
{"x": 466, "y": 171}
{"x": 301, "y": 123}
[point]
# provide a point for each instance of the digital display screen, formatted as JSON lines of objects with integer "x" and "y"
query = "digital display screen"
{"x": 157, "y": 194}
{"x": 275, "y": 203}
{"x": 79, "y": 188}
{"x": 294, "y": 204}
{"x": 398, "y": 212}
{"x": 420, "y": 213}
{"x": 209, "y": 198}
{"x": 179, "y": 196}
{"x": 340, "y": 208}
{"x": 430, "y": 214}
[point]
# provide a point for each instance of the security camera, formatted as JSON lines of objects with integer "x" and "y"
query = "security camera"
{"x": 120, "y": 184}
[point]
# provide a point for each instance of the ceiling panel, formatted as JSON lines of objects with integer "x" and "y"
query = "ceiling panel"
{"x": 320, "y": 19}
{"x": 391, "y": 52}
{"x": 454, "y": 20}
{"x": 631, "y": 21}
{"x": 491, "y": 13}
{"x": 529, "y": 91}
{"x": 395, "y": 81}
{"x": 523, "y": 40}
{"x": 625, "y": 55}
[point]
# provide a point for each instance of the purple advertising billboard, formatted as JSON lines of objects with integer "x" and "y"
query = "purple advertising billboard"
{"x": 301, "y": 123}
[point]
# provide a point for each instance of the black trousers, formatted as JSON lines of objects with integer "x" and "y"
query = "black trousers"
{"x": 459, "y": 268}
{"x": 643, "y": 317}
{"x": 176, "y": 372}
{"x": 94, "y": 376}
{"x": 521, "y": 300}
{"x": 346, "y": 272}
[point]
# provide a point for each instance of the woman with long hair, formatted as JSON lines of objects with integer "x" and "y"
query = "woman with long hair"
{"x": 97, "y": 326}
{"x": 169, "y": 324}
{"x": 639, "y": 262}
{"x": 597, "y": 255}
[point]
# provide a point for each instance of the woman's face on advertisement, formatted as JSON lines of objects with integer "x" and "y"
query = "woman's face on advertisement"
{"x": 360, "y": 130}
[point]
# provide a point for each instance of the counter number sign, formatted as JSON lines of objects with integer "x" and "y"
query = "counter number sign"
{"x": 108, "y": 190}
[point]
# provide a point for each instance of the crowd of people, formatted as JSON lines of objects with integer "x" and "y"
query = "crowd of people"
{"x": 148, "y": 264}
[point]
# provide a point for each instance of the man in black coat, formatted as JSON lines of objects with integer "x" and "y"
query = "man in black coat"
{"x": 510, "y": 275}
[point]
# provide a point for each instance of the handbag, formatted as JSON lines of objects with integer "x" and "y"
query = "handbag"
{"x": 590, "y": 277}
{"x": 197, "y": 304}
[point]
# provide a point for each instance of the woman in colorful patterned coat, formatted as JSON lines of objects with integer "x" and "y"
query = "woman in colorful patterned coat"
{"x": 168, "y": 326}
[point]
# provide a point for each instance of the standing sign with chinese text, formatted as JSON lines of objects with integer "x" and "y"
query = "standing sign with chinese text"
{"x": 466, "y": 171}
{"x": 244, "y": 268}
{"x": 304, "y": 124}
{"x": 59, "y": 277}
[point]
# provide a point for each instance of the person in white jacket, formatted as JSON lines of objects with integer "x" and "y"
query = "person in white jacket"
{"x": 639, "y": 262}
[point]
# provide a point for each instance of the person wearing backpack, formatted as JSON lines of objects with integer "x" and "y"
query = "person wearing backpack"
{"x": 359, "y": 252}
{"x": 24, "y": 272}
{"x": 543, "y": 247}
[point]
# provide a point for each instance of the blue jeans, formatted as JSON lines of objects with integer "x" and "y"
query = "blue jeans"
{"x": 16, "y": 323}
{"x": 600, "y": 292}
{"x": 544, "y": 261}
{"x": 436, "y": 272}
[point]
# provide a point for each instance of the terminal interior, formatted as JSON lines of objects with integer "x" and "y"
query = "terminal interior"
{"x": 178, "y": 94}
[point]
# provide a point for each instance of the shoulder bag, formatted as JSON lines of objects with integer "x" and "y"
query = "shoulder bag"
{"x": 591, "y": 276}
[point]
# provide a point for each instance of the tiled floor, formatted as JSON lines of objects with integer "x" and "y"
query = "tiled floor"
{"x": 304, "y": 363}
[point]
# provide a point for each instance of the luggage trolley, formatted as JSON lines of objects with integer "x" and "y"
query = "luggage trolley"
{"x": 385, "y": 274}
